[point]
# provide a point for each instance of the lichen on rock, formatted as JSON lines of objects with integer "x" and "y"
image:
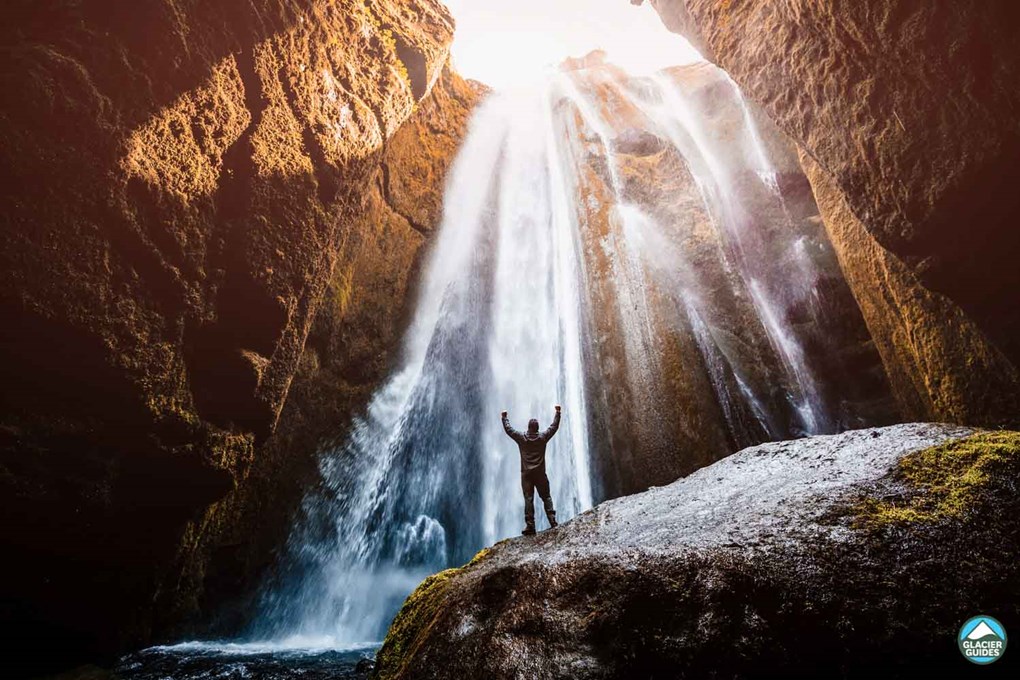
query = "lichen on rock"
{"x": 945, "y": 481}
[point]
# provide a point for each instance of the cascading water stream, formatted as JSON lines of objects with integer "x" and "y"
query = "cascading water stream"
{"x": 628, "y": 270}
{"x": 665, "y": 107}
{"x": 669, "y": 109}
{"x": 503, "y": 321}
{"x": 428, "y": 477}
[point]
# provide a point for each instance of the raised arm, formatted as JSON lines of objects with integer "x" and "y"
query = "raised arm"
{"x": 547, "y": 435}
{"x": 514, "y": 434}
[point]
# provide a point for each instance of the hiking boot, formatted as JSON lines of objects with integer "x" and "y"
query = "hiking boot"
{"x": 552, "y": 520}
{"x": 529, "y": 530}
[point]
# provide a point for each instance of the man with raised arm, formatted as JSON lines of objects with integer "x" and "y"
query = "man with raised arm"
{"x": 532, "y": 447}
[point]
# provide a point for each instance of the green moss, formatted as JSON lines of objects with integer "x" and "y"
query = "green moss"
{"x": 415, "y": 619}
{"x": 482, "y": 554}
{"x": 412, "y": 623}
{"x": 388, "y": 43}
{"x": 948, "y": 479}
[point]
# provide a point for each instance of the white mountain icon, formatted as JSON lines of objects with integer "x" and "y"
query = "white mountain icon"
{"x": 980, "y": 631}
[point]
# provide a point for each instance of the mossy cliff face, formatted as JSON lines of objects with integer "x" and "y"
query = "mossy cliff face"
{"x": 814, "y": 572}
{"x": 180, "y": 181}
{"x": 907, "y": 111}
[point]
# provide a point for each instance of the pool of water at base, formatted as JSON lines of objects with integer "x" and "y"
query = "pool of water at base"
{"x": 248, "y": 661}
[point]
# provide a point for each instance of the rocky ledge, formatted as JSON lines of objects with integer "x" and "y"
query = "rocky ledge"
{"x": 836, "y": 556}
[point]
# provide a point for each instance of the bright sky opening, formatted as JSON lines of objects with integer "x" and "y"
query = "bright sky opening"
{"x": 504, "y": 43}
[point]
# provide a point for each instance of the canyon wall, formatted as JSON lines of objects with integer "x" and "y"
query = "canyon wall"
{"x": 206, "y": 206}
{"x": 905, "y": 111}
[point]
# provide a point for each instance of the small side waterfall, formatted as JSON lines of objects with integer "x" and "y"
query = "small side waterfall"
{"x": 521, "y": 302}
{"x": 769, "y": 285}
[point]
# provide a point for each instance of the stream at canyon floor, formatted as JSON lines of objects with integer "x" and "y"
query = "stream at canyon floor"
{"x": 250, "y": 661}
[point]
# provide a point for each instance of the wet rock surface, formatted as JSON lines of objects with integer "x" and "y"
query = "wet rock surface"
{"x": 767, "y": 563}
{"x": 906, "y": 109}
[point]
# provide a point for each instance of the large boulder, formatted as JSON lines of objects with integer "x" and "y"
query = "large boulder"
{"x": 906, "y": 111}
{"x": 831, "y": 556}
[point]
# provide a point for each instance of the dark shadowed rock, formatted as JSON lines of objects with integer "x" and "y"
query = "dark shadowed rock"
{"x": 938, "y": 359}
{"x": 827, "y": 556}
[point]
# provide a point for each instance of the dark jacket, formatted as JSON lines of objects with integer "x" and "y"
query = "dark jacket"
{"x": 532, "y": 444}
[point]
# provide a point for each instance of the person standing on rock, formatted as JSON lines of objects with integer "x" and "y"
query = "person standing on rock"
{"x": 532, "y": 448}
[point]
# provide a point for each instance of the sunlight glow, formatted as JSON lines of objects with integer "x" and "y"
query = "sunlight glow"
{"x": 506, "y": 43}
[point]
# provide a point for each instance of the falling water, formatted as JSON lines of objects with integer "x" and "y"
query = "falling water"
{"x": 669, "y": 113}
{"x": 428, "y": 476}
{"x": 502, "y": 321}
{"x": 666, "y": 105}
{"x": 718, "y": 368}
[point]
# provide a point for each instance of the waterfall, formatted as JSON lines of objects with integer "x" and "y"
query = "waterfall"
{"x": 675, "y": 117}
{"x": 504, "y": 320}
{"x": 428, "y": 477}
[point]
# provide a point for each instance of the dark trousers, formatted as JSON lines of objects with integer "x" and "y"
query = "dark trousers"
{"x": 530, "y": 481}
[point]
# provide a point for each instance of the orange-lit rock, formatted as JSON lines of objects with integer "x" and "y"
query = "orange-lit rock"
{"x": 666, "y": 403}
